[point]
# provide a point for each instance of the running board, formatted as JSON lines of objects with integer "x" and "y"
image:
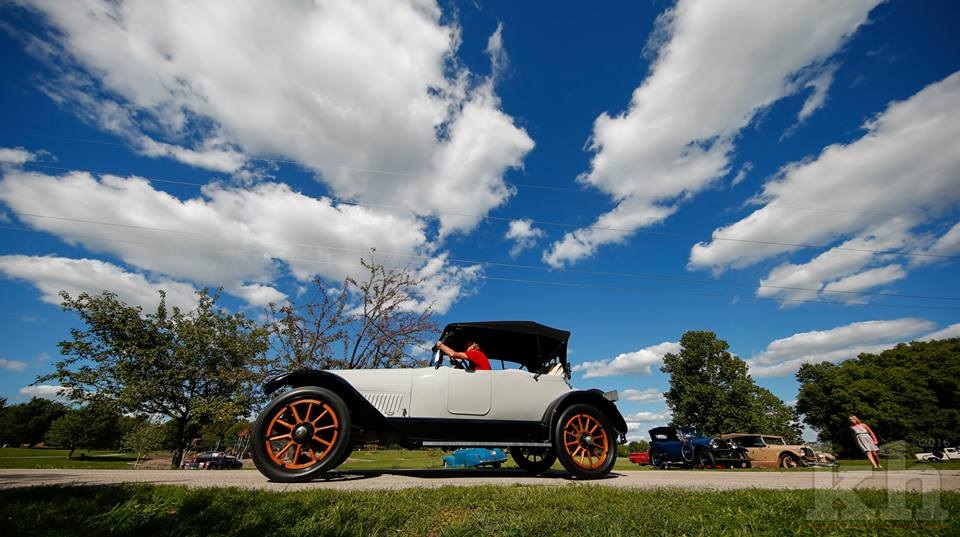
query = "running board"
{"x": 486, "y": 444}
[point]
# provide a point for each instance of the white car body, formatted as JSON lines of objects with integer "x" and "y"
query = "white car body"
{"x": 449, "y": 393}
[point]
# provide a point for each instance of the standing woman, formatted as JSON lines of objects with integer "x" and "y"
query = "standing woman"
{"x": 866, "y": 440}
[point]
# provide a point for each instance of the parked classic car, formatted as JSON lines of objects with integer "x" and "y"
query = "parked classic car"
{"x": 212, "y": 460}
{"x": 474, "y": 457}
{"x": 687, "y": 447}
{"x": 640, "y": 457}
{"x": 948, "y": 454}
{"x": 771, "y": 451}
{"x": 312, "y": 426}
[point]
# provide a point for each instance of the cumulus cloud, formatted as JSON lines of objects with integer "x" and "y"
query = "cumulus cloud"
{"x": 949, "y": 332}
{"x": 647, "y": 395}
{"x": 16, "y": 155}
{"x": 641, "y": 421}
{"x": 676, "y": 136}
{"x": 369, "y": 95}
{"x": 785, "y": 356}
{"x": 45, "y": 391}
{"x": 523, "y": 235}
{"x": 907, "y": 164}
{"x": 639, "y": 362}
{"x": 52, "y": 274}
{"x": 237, "y": 238}
{"x": 12, "y": 365}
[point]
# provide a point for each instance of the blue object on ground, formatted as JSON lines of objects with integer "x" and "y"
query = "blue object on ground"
{"x": 474, "y": 457}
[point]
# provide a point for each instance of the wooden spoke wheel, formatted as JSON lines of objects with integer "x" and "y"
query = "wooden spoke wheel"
{"x": 301, "y": 433}
{"x": 585, "y": 442}
{"x": 534, "y": 460}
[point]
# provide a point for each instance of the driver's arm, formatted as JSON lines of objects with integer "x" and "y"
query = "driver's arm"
{"x": 445, "y": 349}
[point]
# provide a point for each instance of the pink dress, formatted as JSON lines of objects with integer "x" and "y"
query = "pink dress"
{"x": 863, "y": 438}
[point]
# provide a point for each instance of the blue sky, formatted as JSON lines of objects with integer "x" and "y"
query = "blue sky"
{"x": 785, "y": 174}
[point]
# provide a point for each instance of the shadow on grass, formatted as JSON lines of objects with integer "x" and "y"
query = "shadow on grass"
{"x": 450, "y": 473}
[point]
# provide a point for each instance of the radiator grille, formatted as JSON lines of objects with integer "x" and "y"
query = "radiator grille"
{"x": 387, "y": 403}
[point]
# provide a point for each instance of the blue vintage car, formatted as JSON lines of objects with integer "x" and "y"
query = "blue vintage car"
{"x": 474, "y": 457}
{"x": 687, "y": 447}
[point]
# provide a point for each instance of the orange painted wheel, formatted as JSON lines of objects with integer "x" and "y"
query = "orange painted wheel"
{"x": 585, "y": 442}
{"x": 301, "y": 433}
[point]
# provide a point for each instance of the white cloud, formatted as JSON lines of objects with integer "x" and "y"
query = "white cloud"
{"x": 16, "y": 155}
{"x": 52, "y": 274}
{"x": 523, "y": 235}
{"x": 648, "y": 395}
{"x": 642, "y": 421}
{"x": 230, "y": 236}
{"x": 12, "y": 365}
{"x": 742, "y": 174}
{"x": 45, "y": 391}
{"x": 946, "y": 245}
{"x": 499, "y": 61}
{"x": 908, "y": 163}
{"x": 866, "y": 280}
{"x": 369, "y": 95}
{"x": 676, "y": 136}
{"x": 785, "y": 356}
{"x": 819, "y": 85}
{"x": 638, "y": 362}
{"x": 949, "y": 332}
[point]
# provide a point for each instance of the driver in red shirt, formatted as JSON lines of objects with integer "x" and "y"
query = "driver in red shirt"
{"x": 473, "y": 355}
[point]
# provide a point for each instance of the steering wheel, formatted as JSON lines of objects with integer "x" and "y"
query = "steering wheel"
{"x": 454, "y": 362}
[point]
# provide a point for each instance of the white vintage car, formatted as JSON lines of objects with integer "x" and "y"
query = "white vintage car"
{"x": 531, "y": 408}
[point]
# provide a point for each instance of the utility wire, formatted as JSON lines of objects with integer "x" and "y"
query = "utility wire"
{"x": 663, "y": 234}
{"x": 461, "y": 260}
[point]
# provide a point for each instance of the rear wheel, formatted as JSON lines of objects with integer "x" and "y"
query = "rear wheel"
{"x": 301, "y": 433}
{"x": 585, "y": 442}
{"x": 658, "y": 459}
{"x": 534, "y": 460}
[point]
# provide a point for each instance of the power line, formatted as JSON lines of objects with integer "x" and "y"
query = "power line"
{"x": 395, "y": 173}
{"x": 662, "y": 234}
{"x": 465, "y": 261}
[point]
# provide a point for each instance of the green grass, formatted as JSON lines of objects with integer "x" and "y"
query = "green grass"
{"x": 57, "y": 458}
{"x": 145, "y": 511}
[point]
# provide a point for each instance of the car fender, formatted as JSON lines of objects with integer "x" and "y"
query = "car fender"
{"x": 592, "y": 397}
{"x": 363, "y": 413}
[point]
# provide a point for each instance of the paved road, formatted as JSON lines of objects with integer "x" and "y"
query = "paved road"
{"x": 926, "y": 480}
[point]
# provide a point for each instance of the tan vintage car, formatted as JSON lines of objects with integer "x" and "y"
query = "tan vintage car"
{"x": 769, "y": 451}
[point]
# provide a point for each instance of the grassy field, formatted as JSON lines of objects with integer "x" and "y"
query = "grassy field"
{"x": 146, "y": 511}
{"x": 384, "y": 459}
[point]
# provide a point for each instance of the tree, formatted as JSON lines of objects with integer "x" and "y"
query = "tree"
{"x": 712, "y": 390}
{"x": 638, "y": 446}
{"x": 93, "y": 426}
{"x": 370, "y": 323}
{"x": 191, "y": 367}
{"x": 27, "y": 423}
{"x": 143, "y": 438}
{"x": 910, "y": 393}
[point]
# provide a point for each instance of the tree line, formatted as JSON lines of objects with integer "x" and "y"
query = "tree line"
{"x": 202, "y": 369}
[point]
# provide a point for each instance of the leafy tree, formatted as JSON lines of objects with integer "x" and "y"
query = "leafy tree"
{"x": 712, "y": 390}
{"x": 191, "y": 367}
{"x": 27, "y": 423}
{"x": 143, "y": 438}
{"x": 93, "y": 426}
{"x": 638, "y": 446}
{"x": 910, "y": 393}
{"x": 370, "y": 323}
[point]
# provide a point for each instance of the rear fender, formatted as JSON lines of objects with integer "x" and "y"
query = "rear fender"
{"x": 592, "y": 397}
{"x": 363, "y": 413}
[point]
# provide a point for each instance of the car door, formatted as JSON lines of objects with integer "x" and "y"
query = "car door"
{"x": 468, "y": 392}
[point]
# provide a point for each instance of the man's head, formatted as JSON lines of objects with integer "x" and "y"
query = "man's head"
{"x": 471, "y": 345}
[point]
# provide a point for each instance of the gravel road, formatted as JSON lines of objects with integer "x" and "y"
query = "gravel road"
{"x": 926, "y": 480}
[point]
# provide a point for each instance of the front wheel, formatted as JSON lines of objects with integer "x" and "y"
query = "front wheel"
{"x": 301, "y": 433}
{"x": 789, "y": 461}
{"x": 534, "y": 460}
{"x": 705, "y": 459}
{"x": 584, "y": 440}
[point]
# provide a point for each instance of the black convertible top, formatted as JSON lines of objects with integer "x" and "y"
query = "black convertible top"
{"x": 524, "y": 342}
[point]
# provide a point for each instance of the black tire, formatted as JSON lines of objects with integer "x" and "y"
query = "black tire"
{"x": 534, "y": 460}
{"x": 705, "y": 459}
{"x": 300, "y": 434}
{"x": 585, "y": 442}
{"x": 744, "y": 460}
{"x": 658, "y": 459}
{"x": 789, "y": 461}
